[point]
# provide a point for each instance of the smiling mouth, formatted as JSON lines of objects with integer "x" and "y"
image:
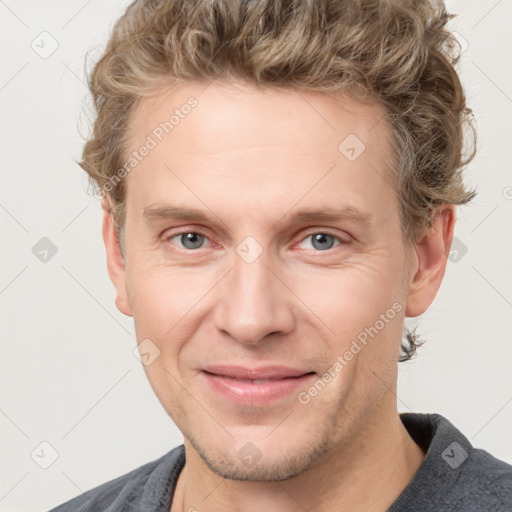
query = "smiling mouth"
{"x": 270, "y": 379}
{"x": 246, "y": 387}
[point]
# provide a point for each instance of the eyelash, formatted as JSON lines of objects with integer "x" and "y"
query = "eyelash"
{"x": 337, "y": 237}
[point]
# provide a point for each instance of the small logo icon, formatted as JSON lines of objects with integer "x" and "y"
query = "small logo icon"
{"x": 44, "y": 455}
{"x": 146, "y": 352}
{"x": 351, "y": 147}
{"x": 45, "y": 45}
{"x": 249, "y": 454}
{"x": 507, "y": 193}
{"x": 454, "y": 455}
{"x": 249, "y": 250}
{"x": 44, "y": 250}
{"x": 457, "y": 250}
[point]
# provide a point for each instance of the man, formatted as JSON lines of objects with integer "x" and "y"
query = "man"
{"x": 280, "y": 181}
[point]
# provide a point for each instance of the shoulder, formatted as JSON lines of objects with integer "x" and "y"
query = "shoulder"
{"x": 155, "y": 479}
{"x": 479, "y": 476}
{"x": 454, "y": 476}
{"x": 485, "y": 482}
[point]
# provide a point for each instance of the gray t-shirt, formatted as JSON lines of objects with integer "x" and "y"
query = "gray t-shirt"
{"x": 453, "y": 477}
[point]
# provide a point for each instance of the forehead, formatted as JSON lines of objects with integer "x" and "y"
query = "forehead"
{"x": 249, "y": 116}
{"x": 233, "y": 139}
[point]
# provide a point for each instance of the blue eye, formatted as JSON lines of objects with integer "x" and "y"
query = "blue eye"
{"x": 320, "y": 241}
{"x": 323, "y": 241}
{"x": 190, "y": 240}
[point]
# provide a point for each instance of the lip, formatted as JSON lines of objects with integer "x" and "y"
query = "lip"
{"x": 263, "y": 372}
{"x": 255, "y": 386}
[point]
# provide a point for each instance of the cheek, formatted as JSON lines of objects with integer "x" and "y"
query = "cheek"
{"x": 362, "y": 306}
{"x": 160, "y": 300}
{"x": 349, "y": 299}
{"x": 163, "y": 294}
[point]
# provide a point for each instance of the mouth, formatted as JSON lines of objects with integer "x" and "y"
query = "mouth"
{"x": 255, "y": 386}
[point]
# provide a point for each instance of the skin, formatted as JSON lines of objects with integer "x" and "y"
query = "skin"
{"x": 250, "y": 159}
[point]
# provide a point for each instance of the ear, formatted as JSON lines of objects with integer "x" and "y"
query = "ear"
{"x": 115, "y": 262}
{"x": 431, "y": 254}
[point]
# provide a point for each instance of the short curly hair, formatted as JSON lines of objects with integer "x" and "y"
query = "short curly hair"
{"x": 397, "y": 54}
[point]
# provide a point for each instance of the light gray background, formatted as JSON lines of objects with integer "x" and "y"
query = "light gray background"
{"x": 68, "y": 373}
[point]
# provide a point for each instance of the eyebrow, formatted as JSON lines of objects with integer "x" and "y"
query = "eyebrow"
{"x": 156, "y": 213}
{"x": 331, "y": 214}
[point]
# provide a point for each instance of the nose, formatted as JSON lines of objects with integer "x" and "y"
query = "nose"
{"x": 254, "y": 302}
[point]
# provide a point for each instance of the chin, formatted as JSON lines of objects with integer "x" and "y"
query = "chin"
{"x": 270, "y": 464}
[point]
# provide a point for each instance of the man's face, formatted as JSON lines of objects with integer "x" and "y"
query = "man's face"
{"x": 253, "y": 285}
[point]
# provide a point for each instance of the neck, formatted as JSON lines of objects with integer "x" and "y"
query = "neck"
{"x": 366, "y": 473}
